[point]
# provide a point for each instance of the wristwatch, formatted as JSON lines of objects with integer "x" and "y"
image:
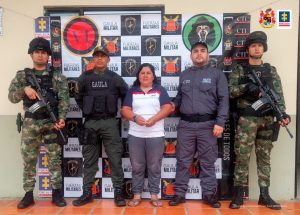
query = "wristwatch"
{"x": 134, "y": 117}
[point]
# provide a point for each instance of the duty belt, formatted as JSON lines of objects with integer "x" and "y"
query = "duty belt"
{"x": 198, "y": 117}
{"x": 43, "y": 115}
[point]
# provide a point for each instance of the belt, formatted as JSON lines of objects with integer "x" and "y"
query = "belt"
{"x": 198, "y": 117}
{"x": 100, "y": 116}
{"x": 43, "y": 115}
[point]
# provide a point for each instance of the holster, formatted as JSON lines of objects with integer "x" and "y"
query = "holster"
{"x": 276, "y": 129}
{"x": 87, "y": 136}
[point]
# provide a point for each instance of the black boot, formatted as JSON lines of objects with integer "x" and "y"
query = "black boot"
{"x": 119, "y": 197}
{"x": 266, "y": 200}
{"x": 211, "y": 200}
{"x": 237, "y": 199}
{"x": 85, "y": 198}
{"x": 26, "y": 201}
{"x": 57, "y": 198}
{"x": 176, "y": 200}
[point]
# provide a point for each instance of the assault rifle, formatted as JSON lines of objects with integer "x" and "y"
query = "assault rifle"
{"x": 44, "y": 103}
{"x": 269, "y": 97}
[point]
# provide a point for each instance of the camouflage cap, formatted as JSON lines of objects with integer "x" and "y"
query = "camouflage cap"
{"x": 39, "y": 43}
{"x": 257, "y": 37}
{"x": 199, "y": 44}
{"x": 102, "y": 50}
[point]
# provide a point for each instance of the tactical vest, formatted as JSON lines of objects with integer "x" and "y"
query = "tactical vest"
{"x": 265, "y": 74}
{"x": 45, "y": 82}
{"x": 100, "y": 99}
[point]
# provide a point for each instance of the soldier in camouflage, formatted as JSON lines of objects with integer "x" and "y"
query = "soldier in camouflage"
{"x": 37, "y": 127}
{"x": 254, "y": 127}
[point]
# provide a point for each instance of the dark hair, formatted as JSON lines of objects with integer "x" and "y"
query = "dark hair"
{"x": 152, "y": 69}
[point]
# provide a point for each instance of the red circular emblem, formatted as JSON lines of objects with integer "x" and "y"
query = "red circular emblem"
{"x": 80, "y": 35}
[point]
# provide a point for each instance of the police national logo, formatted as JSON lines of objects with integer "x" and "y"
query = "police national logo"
{"x": 80, "y": 35}
{"x": 202, "y": 28}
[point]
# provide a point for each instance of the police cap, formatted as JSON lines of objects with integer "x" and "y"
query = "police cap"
{"x": 199, "y": 44}
{"x": 257, "y": 37}
{"x": 39, "y": 43}
{"x": 100, "y": 49}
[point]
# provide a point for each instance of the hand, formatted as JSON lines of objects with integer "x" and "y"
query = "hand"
{"x": 31, "y": 93}
{"x": 286, "y": 119}
{"x": 60, "y": 124}
{"x": 150, "y": 122}
{"x": 173, "y": 108}
{"x": 218, "y": 130}
{"x": 140, "y": 120}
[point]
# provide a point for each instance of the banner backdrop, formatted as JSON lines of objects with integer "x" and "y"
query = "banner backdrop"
{"x": 163, "y": 40}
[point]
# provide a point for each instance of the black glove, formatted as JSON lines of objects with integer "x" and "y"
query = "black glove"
{"x": 252, "y": 89}
{"x": 286, "y": 116}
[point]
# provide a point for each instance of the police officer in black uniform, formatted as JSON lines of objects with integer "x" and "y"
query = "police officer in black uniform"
{"x": 98, "y": 92}
{"x": 202, "y": 100}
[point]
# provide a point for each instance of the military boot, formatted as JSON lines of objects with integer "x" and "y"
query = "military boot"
{"x": 211, "y": 200}
{"x": 119, "y": 197}
{"x": 266, "y": 200}
{"x": 26, "y": 201}
{"x": 237, "y": 199}
{"x": 85, "y": 198}
{"x": 57, "y": 198}
{"x": 176, "y": 200}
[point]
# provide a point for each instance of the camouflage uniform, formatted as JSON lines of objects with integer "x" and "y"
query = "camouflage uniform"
{"x": 37, "y": 131}
{"x": 252, "y": 130}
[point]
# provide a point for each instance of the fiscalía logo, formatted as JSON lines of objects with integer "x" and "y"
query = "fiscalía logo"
{"x": 150, "y": 44}
{"x": 284, "y": 19}
{"x": 111, "y": 45}
{"x": 130, "y": 65}
{"x": 202, "y": 28}
{"x": 267, "y": 18}
{"x": 170, "y": 64}
{"x": 130, "y": 24}
{"x": 72, "y": 166}
{"x": 170, "y": 23}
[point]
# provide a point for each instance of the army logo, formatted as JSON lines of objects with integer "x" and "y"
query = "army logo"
{"x": 87, "y": 63}
{"x": 72, "y": 127}
{"x": 202, "y": 28}
{"x": 267, "y": 18}
{"x": 227, "y": 61}
{"x": 150, "y": 45}
{"x": 106, "y": 167}
{"x": 170, "y": 65}
{"x": 194, "y": 169}
{"x": 112, "y": 44}
{"x": 168, "y": 187}
{"x": 130, "y": 65}
{"x": 228, "y": 45}
{"x": 130, "y": 24}
{"x": 171, "y": 23}
{"x": 80, "y": 35}
{"x": 73, "y": 167}
{"x": 170, "y": 146}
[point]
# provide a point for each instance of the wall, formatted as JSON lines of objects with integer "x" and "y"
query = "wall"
{"x": 18, "y": 23}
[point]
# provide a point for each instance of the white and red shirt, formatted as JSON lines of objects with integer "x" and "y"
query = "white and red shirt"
{"x": 146, "y": 105}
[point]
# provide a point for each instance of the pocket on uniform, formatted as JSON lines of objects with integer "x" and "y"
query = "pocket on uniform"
{"x": 88, "y": 102}
{"x": 111, "y": 104}
{"x": 206, "y": 87}
{"x": 186, "y": 88}
{"x": 99, "y": 104}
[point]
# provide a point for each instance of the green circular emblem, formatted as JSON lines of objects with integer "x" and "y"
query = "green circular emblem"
{"x": 202, "y": 28}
